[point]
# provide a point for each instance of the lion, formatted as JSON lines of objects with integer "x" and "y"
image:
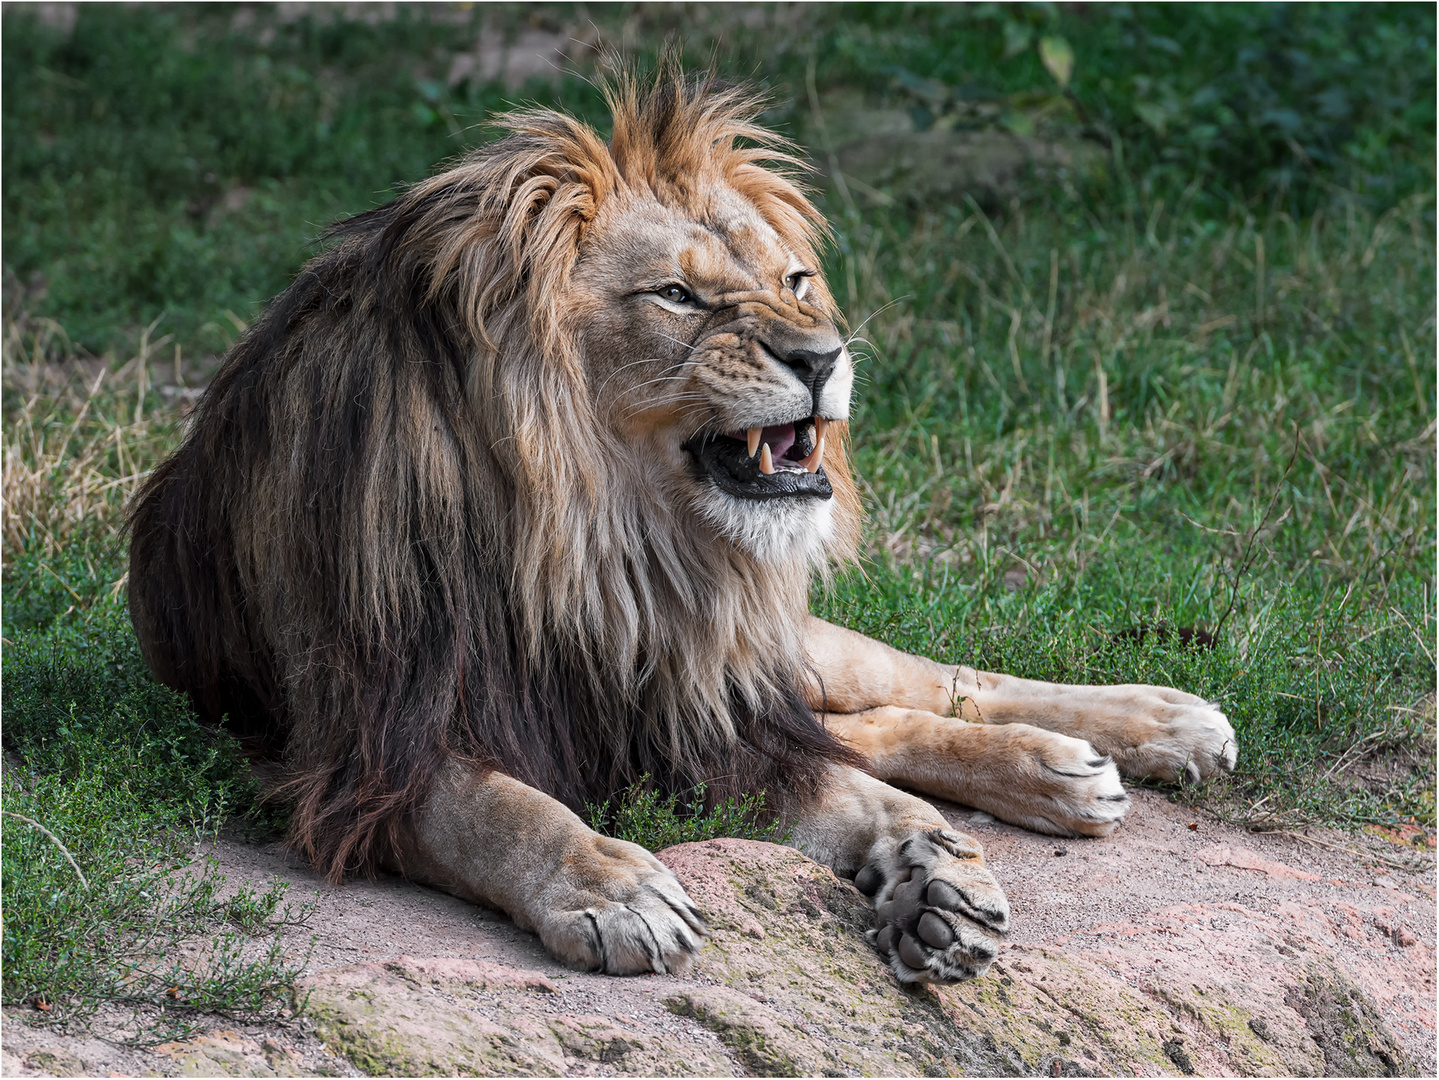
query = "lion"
{"x": 513, "y": 498}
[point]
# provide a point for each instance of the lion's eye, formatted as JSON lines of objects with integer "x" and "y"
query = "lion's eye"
{"x": 675, "y": 295}
{"x": 796, "y": 281}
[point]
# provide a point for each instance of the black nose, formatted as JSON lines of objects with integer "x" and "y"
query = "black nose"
{"x": 812, "y": 367}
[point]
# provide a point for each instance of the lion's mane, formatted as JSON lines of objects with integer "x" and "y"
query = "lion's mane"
{"x": 395, "y": 533}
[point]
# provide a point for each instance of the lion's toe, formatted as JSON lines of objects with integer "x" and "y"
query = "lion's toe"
{"x": 1194, "y": 743}
{"x": 1057, "y": 785}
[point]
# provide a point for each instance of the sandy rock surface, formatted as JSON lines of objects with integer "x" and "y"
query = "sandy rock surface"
{"x": 1179, "y": 946}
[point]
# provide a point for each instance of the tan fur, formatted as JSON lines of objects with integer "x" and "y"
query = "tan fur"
{"x": 1039, "y": 779}
{"x": 442, "y": 531}
{"x": 1037, "y": 754}
{"x": 596, "y": 902}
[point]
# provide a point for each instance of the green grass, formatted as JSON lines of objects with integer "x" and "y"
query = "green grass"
{"x": 104, "y": 899}
{"x": 1196, "y": 389}
{"x": 643, "y": 816}
{"x": 111, "y": 786}
{"x": 174, "y": 164}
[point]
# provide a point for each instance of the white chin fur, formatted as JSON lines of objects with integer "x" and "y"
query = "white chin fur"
{"x": 773, "y": 530}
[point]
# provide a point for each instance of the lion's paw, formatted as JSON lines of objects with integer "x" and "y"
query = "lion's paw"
{"x": 617, "y": 909}
{"x": 939, "y": 914}
{"x": 1187, "y": 738}
{"x": 1054, "y": 784}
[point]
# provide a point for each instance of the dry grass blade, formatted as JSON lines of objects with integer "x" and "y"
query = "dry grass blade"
{"x": 72, "y": 460}
{"x": 1419, "y": 862}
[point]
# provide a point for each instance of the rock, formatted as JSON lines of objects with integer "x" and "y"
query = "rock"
{"x": 52, "y": 1063}
{"x": 765, "y": 1044}
{"x": 788, "y": 986}
{"x": 1346, "y": 1028}
{"x": 229, "y": 1053}
{"x": 1244, "y": 859}
{"x": 880, "y": 155}
{"x": 827, "y": 1002}
{"x": 445, "y": 1017}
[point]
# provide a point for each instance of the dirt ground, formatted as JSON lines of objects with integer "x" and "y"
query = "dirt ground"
{"x": 1173, "y": 888}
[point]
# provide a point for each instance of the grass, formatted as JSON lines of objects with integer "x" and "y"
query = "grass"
{"x": 113, "y": 787}
{"x": 643, "y": 816}
{"x": 148, "y": 181}
{"x": 1193, "y": 390}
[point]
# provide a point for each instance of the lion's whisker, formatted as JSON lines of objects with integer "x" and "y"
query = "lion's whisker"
{"x": 883, "y": 307}
{"x": 639, "y": 406}
{"x": 677, "y": 341}
{"x": 633, "y": 363}
{"x": 657, "y": 379}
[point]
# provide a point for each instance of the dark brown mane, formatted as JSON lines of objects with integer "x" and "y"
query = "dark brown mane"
{"x": 356, "y": 558}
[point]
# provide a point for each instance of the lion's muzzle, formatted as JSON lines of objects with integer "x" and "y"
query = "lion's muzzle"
{"x": 780, "y": 461}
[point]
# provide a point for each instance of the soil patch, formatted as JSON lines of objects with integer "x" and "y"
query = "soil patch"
{"x": 1178, "y": 946}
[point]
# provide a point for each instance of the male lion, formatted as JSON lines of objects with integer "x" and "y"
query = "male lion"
{"x": 513, "y": 498}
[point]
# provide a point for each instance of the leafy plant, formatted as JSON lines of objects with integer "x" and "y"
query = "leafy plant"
{"x": 643, "y": 816}
{"x": 112, "y": 786}
{"x": 1274, "y": 100}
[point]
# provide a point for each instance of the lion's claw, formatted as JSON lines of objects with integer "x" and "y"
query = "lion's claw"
{"x": 1189, "y": 740}
{"x": 636, "y": 917}
{"x": 939, "y": 913}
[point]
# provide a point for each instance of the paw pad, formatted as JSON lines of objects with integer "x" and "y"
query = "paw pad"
{"x": 939, "y": 914}
{"x": 934, "y": 930}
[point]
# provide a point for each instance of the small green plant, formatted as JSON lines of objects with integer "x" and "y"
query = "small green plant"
{"x": 111, "y": 787}
{"x": 643, "y": 816}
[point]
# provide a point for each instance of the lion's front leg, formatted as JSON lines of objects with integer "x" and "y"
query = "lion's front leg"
{"x": 1024, "y": 775}
{"x": 1153, "y": 732}
{"x": 939, "y": 913}
{"x": 596, "y": 903}
{"x": 1149, "y": 731}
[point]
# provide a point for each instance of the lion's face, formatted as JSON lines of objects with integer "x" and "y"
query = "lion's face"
{"x": 714, "y": 361}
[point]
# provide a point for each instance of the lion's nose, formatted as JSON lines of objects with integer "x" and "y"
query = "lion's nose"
{"x": 812, "y": 366}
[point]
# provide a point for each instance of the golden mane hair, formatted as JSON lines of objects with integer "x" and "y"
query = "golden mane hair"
{"x": 394, "y": 533}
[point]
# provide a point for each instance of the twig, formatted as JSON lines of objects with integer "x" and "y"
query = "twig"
{"x": 1247, "y": 559}
{"x": 55, "y": 840}
{"x": 1398, "y": 864}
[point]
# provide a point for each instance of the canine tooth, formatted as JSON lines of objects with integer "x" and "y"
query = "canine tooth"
{"x": 820, "y": 423}
{"x": 753, "y": 435}
{"x": 766, "y": 461}
{"x": 816, "y": 456}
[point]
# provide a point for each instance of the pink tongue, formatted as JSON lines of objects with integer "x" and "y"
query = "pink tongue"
{"x": 780, "y": 438}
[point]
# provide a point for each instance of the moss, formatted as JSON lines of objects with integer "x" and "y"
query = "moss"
{"x": 1246, "y": 1036}
{"x": 1346, "y": 1027}
{"x": 763, "y": 1043}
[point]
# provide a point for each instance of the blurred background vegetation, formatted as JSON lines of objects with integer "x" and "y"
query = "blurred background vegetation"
{"x": 177, "y": 163}
{"x": 1146, "y": 301}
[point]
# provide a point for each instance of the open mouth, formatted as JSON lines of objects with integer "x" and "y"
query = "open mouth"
{"x": 783, "y": 461}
